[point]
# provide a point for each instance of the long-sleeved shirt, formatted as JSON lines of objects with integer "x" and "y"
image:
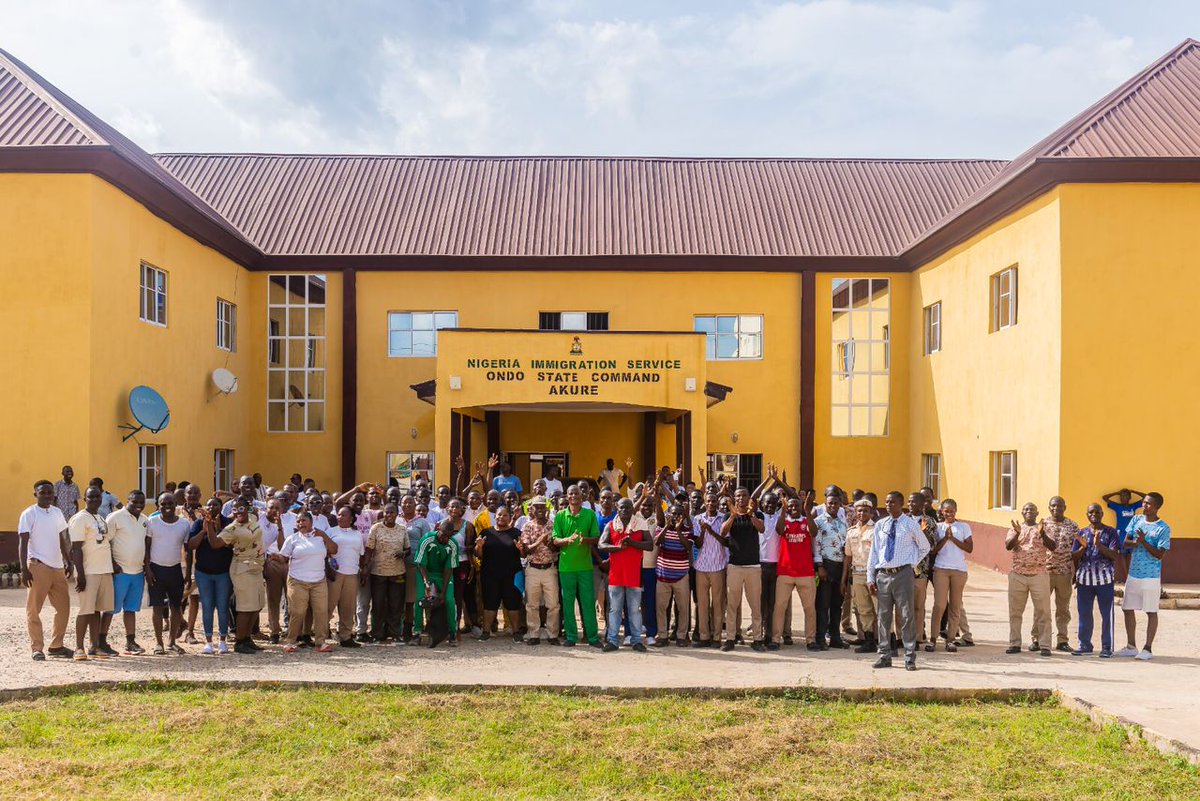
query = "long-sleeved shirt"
{"x": 713, "y": 557}
{"x": 910, "y": 544}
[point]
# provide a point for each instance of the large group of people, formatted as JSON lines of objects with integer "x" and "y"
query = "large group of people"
{"x": 604, "y": 563}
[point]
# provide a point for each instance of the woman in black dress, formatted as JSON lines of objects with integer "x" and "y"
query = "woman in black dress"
{"x": 500, "y": 562}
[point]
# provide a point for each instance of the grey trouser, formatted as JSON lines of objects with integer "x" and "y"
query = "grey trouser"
{"x": 895, "y": 594}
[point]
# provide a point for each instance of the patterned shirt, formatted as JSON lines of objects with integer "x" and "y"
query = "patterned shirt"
{"x": 66, "y": 497}
{"x": 858, "y": 544}
{"x": 674, "y": 556}
{"x": 1158, "y": 534}
{"x": 908, "y": 543}
{"x": 924, "y": 568}
{"x": 830, "y": 537}
{"x": 712, "y": 557}
{"x": 1096, "y": 569}
{"x": 1058, "y": 561}
{"x": 1029, "y": 557}
{"x": 531, "y": 533}
{"x": 390, "y": 547}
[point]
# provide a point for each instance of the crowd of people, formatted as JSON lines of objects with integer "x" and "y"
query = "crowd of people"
{"x": 659, "y": 562}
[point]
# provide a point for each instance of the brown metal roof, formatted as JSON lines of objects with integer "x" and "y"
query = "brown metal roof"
{"x": 575, "y": 206}
{"x": 29, "y": 117}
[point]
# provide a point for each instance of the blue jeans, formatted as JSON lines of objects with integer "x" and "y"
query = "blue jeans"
{"x": 1086, "y": 596}
{"x": 649, "y": 615}
{"x": 627, "y": 600}
{"x": 215, "y": 589}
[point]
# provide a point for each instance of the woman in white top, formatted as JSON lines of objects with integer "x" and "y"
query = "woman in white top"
{"x": 305, "y": 551}
{"x": 348, "y": 575}
{"x": 949, "y": 556}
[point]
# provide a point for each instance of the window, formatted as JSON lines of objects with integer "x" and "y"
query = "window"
{"x": 933, "y": 328}
{"x": 226, "y": 326}
{"x": 296, "y": 353}
{"x": 415, "y": 333}
{"x": 572, "y": 321}
{"x": 1004, "y": 299}
{"x": 731, "y": 336}
{"x": 152, "y": 467}
{"x": 745, "y": 468}
{"x": 931, "y": 472}
{"x": 153, "y": 295}
{"x": 861, "y": 368}
{"x": 1004, "y": 480}
{"x": 403, "y": 467}
{"x": 223, "y": 469}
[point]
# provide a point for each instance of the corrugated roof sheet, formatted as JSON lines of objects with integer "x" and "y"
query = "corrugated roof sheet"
{"x": 575, "y": 206}
{"x": 29, "y": 116}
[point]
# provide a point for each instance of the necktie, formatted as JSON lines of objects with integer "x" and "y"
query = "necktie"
{"x": 889, "y": 550}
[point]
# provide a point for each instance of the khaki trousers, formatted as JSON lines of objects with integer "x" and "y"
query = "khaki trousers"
{"x": 681, "y": 591}
{"x": 806, "y": 588}
{"x": 541, "y": 589}
{"x": 275, "y": 571}
{"x": 743, "y": 580}
{"x": 48, "y": 582}
{"x": 920, "y": 592}
{"x": 948, "y": 586}
{"x": 1020, "y": 590}
{"x": 864, "y": 602}
{"x": 710, "y": 603}
{"x": 343, "y": 596}
{"x": 303, "y": 596}
{"x": 1060, "y": 591}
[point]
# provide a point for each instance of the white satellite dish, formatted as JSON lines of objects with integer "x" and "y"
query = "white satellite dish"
{"x": 224, "y": 380}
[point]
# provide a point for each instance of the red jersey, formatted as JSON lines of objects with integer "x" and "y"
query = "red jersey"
{"x": 795, "y": 549}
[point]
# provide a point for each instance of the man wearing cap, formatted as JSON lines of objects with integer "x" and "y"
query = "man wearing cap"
{"x": 541, "y": 572}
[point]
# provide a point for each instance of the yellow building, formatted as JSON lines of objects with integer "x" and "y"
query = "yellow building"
{"x": 999, "y": 330}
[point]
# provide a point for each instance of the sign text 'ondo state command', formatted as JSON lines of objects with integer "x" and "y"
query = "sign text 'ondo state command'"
{"x": 575, "y": 376}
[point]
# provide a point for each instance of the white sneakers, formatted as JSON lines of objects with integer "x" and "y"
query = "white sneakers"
{"x": 1145, "y": 655}
{"x": 1128, "y": 650}
{"x": 207, "y": 650}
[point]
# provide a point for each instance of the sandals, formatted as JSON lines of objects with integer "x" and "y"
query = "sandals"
{"x": 159, "y": 651}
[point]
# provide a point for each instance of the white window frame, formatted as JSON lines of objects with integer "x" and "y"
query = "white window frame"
{"x": 226, "y": 325}
{"x": 152, "y": 470}
{"x": 153, "y": 295}
{"x": 931, "y": 472}
{"x": 393, "y": 464}
{"x": 313, "y": 395}
{"x": 710, "y": 324}
{"x": 853, "y": 357}
{"x": 223, "y": 476}
{"x": 1004, "y": 302}
{"x": 395, "y": 318}
{"x": 1000, "y": 474}
{"x": 933, "y": 328}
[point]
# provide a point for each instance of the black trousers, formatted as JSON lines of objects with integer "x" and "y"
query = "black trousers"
{"x": 829, "y": 603}
{"x": 387, "y": 606}
{"x": 769, "y": 572}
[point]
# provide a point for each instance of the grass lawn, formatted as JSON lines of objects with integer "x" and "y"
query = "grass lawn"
{"x": 189, "y": 742}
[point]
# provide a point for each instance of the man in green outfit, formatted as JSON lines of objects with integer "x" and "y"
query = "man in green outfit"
{"x": 576, "y": 532}
{"x": 436, "y": 559}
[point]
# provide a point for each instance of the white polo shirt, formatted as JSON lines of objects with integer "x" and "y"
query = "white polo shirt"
{"x": 350, "y": 549}
{"x": 307, "y": 557}
{"x": 43, "y": 527}
{"x": 271, "y": 534}
{"x": 127, "y": 535}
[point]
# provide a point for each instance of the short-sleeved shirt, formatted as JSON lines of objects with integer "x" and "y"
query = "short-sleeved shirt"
{"x": 66, "y": 497}
{"x": 437, "y": 557}
{"x": 674, "y": 556}
{"x": 1030, "y": 557}
{"x": 1095, "y": 569}
{"x": 417, "y": 528}
{"x": 553, "y": 485}
{"x": 531, "y": 532}
{"x": 306, "y": 556}
{"x": 1058, "y": 561}
{"x": 712, "y": 556}
{"x": 505, "y": 483}
{"x": 350, "y": 550}
{"x": 210, "y": 560}
{"x": 796, "y": 549}
{"x": 858, "y": 544}
{"x": 390, "y": 547}
{"x": 612, "y": 478}
{"x": 287, "y": 521}
{"x": 167, "y": 539}
{"x": 952, "y": 557}
{"x": 1158, "y": 534}
{"x": 1125, "y": 512}
{"x": 108, "y": 503}
{"x": 127, "y": 536}
{"x": 247, "y": 544}
{"x": 91, "y": 531}
{"x": 577, "y": 556}
{"x": 831, "y": 536}
{"x": 44, "y": 527}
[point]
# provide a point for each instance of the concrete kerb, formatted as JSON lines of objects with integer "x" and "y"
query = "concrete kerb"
{"x": 1101, "y": 718}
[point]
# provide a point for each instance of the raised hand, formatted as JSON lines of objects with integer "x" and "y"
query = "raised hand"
{"x": 493, "y": 461}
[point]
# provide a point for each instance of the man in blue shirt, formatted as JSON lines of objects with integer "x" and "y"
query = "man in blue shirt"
{"x": 1147, "y": 541}
{"x": 1124, "y": 506}
{"x": 506, "y": 480}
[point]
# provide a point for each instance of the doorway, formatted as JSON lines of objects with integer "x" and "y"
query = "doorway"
{"x": 530, "y": 466}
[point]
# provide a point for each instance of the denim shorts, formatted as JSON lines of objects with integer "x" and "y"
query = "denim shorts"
{"x": 128, "y": 589}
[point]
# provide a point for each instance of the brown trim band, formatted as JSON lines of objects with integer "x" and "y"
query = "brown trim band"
{"x": 808, "y": 384}
{"x": 604, "y": 263}
{"x": 349, "y": 376}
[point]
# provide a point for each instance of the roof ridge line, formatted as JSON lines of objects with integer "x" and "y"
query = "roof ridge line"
{"x": 577, "y": 157}
{"x": 42, "y": 88}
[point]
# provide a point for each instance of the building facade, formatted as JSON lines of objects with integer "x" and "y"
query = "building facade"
{"x": 1001, "y": 331}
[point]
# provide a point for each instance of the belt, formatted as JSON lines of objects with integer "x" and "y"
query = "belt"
{"x": 545, "y": 566}
{"x": 891, "y": 571}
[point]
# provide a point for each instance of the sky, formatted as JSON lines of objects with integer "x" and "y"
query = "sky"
{"x": 827, "y": 78}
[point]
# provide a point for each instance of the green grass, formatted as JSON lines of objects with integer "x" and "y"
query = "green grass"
{"x": 175, "y": 742}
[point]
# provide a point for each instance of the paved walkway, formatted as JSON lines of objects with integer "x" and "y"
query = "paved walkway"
{"x": 1160, "y": 695}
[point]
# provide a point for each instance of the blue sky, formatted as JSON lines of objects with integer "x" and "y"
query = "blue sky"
{"x": 961, "y": 78}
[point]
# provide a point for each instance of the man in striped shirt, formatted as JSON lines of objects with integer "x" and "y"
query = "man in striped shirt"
{"x": 711, "y": 561}
{"x": 671, "y": 569}
{"x": 1094, "y": 551}
{"x": 897, "y": 546}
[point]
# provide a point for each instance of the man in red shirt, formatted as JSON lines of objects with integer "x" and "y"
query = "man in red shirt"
{"x": 795, "y": 571}
{"x": 624, "y": 539}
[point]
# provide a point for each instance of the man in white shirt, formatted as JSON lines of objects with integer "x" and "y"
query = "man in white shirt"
{"x": 613, "y": 477}
{"x": 277, "y": 526}
{"x": 248, "y": 490}
{"x": 92, "y": 558}
{"x": 898, "y": 545}
{"x": 127, "y": 531}
{"x": 553, "y": 483}
{"x": 45, "y": 565}
{"x": 165, "y": 534}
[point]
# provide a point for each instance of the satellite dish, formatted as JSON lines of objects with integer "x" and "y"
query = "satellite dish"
{"x": 148, "y": 409}
{"x": 224, "y": 380}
